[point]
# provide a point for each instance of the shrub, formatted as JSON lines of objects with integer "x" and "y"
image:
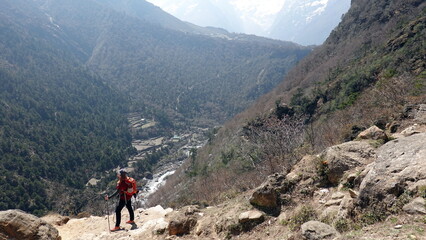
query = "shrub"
{"x": 372, "y": 217}
{"x": 322, "y": 172}
{"x": 305, "y": 214}
{"x": 342, "y": 225}
{"x": 422, "y": 191}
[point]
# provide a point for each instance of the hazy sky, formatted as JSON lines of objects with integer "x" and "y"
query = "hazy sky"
{"x": 251, "y": 12}
{"x": 261, "y": 7}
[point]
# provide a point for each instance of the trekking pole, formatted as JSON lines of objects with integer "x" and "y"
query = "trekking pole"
{"x": 109, "y": 227}
{"x": 125, "y": 198}
{"x": 136, "y": 202}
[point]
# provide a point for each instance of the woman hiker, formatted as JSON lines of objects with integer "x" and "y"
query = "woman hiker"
{"x": 126, "y": 188}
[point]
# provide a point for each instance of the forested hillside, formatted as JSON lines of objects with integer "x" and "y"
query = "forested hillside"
{"x": 72, "y": 70}
{"x": 60, "y": 125}
{"x": 370, "y": 68}
{"x": 185, "y": 75}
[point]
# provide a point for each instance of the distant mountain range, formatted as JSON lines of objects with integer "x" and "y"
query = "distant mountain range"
{"x": 308, "y": 21}
{"x": 305, "y": 22}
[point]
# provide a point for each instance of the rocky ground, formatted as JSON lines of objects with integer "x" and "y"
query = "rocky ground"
{"x": 371, "y": 188}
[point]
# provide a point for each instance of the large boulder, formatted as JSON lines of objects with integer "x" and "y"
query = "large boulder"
{"x": 266, "y": 197}
{"x": 400, "y": 166}
{"x": 373, "y": 133}
{"x": 16, "y": 224}
{"x": 314, "y": 230}
{"x": 346, "y": 156}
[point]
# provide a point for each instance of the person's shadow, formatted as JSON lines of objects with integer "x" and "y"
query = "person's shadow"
{"x": 134, "y": 226}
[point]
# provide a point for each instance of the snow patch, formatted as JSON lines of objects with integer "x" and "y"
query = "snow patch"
{"x": 51, "y": 20}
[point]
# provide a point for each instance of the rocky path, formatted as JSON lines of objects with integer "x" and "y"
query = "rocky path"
{"x": 96, "y": 228}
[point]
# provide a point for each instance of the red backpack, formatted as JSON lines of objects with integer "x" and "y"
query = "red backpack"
{"x": 134, "y": 188}
{"x": 131, "y": 186}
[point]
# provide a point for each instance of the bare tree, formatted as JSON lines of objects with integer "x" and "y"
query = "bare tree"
{"x": 274, "y": 140}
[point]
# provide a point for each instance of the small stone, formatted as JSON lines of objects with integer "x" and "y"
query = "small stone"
{"x": 347, "y": 203}
{"x": 324, "y": 191}
{"x": 293, "y": 177}
{"x": 333, "y": 202}
{"x": 398, "y": 227}
{"x": 353, "y": 193}
{"x": 410, "y": 130}
{"x": 250, "y": 216}
{"x": 338, "y": 195}
{"x": 321, "y": 193}
{"x": 413, "y": 237}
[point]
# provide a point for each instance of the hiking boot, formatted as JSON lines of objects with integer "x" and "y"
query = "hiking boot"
{"x": 115, "y": 229}
{"x": 130, "y": 222}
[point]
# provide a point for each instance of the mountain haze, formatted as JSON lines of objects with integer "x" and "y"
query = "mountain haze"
{"x": 308, "y": 22}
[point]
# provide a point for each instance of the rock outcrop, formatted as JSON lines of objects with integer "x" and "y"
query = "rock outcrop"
{"x": 399, "y": 166}
{"x": 346, "y": 156}
{"x": 16, "y": 224}
{"x": 181, "y": 223}
{"x": 417, "y": 206}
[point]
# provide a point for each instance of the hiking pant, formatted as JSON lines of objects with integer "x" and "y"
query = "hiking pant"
{"x": 120, "y": 207}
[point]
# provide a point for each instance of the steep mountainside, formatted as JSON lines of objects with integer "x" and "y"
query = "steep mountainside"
{"x": 204, "y": 78}
{"x": 59, "y": 125}
{"x": 370, "y": 67}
